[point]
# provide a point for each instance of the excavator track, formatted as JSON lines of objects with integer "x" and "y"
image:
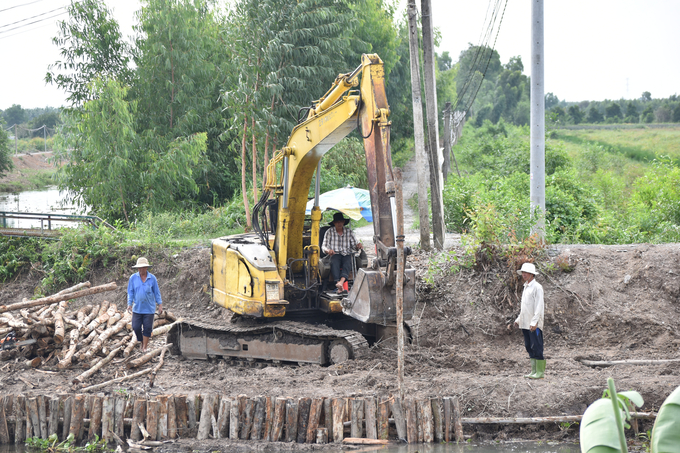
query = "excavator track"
{"x": 272, "y": 341}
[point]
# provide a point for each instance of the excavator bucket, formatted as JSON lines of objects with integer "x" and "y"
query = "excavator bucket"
{"x": 372, "y": 301}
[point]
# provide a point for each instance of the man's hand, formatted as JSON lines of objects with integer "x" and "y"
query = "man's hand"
{"x": 160, "y": 308}
{"x": 331, "y": 253}
{"x": 360, "y": 245}
{"x": 516, "y": 324}
{"x": 129, "y": 309}
{"x": 533, "y": 328}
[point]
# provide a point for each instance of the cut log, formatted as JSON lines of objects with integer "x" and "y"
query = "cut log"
{"x": 132, "y": 342}
{"x": 338, "y": 409}
{"x": 118, "y": 415}
{"x": 191, "y": 414}
{"x": 321, "y": 436}
{"x": 234, "y": 420}
{"x": 411, "y": 421}
{"x": 182, "y": 415}
{"x": 77, "y": 416}
{"x": 59, "y": 324}
{"x": 172, "y": 418}
{"x": 258, "y": 419}
{"x": 98, "y": 342}
{"x": 80, "y": 378}
{"x": 146, "y": 357}
{"x": 315, "y": 411}
{"x": 157, "y": 367}
{"x": 205, "y": 421}
{"x": 457, "y": 422}
{"x": 279, "y": 419}
{"x": 73, "y": 344}
{"x": 95, "y": 428}
{"x": 399, "y": 420}
{"x": 383, "y": 420}
{"x": 447, "y": 418}
{"x": 108, "y": 418}
{"x": 269, "y": 418}
{"x": 436, "y": 404}
{"x": 58, "y": 298}
{"x": 360, "y": 441}
{"x": 42, "y": 416}
{"x": 20, "y": 414}
{"x": 138, "y": 417}
{"x": 74, "y": 288}
{"x": 68, "y": 408}
{"x": 291, "y": 420}
{"x": 4, "y": 429}
{"x": 162, "y": 417}
{"x": 165, "y": 329}
{"x": 304, "y": 406}
{"x": 328, "y": 417}
{"x": 152, "y": 419}
{"x": 425, "y": 413}
{"x": 223, "y": 418}
{"x": 369, "y": 411}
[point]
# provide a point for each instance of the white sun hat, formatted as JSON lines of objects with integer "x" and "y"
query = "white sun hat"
{"x": 528, "y": 267}
{"x": 141, "y": 262}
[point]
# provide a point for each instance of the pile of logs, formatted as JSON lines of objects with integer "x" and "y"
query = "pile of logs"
{"x": 89, "y": 337}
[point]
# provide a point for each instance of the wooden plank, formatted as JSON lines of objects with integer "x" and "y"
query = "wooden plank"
{"x": 108, "y": 410}
{"x": 258, "y": 418}
{"x": 96, "y": 419}
{"x": 370, "y": 415}
{"x": 447, "y": 419}
{"x": 399, "y": 420}
{"x": 8, "y": 402}
{"x": 321, "y": 436}
{"x": 152, "y": 409}
{"x": 425, "y": 411}
{"x": 77, "y": 417}
{"x": 247, "y": 417}
{"x": 384, "y": 420}
{"x": 205, "y": 421}
{"x": 338, "y": 408}
{"x": 4, "y": 429}
{"x": 315, "y": 411}
{"x": 192, "y": 425}
{"x": 223, "y": 418}
{"x": 457, "y": 422}
{"x": 162, "y": 417}
{"x": 172, "y": 418}
{"x": 437, "y": 404}
{"x": 357, "y": 418}
{"x": 328, "y": 417}
{"x": 20, "y": 414}
{"x": 304, "y": 406}
{"x": 361, "y": 441}
{"x": 278, "y": 420}
{"x": 291, "y": 420}
{"x": 411, "y": 421}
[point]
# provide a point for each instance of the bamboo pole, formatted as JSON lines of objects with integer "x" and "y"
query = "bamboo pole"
{"x": 58, "y": 298}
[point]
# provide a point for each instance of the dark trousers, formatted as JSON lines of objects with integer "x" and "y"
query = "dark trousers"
{"x": 142, "y": 325}
{"x": 533, "y": 342}
{"x": 340, "y": 266}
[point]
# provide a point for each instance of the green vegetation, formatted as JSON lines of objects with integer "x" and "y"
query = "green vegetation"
{"x": 52, "y": 445}
{"x": 601, "y": 186}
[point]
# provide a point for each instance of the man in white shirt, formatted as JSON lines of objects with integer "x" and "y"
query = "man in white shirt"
{"x": 530, "y": 320}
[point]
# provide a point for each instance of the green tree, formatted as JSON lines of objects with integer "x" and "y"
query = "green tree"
{"x": 594, "y": 115}
{"x": 551, "y": 100}
{"x": 676, "y": 114}
{"x": 646, "y": 96}
{"x": 50, "y": 119}
{"x": 613, "y": 111}
{"x": 111, "y": 169}
{"x": 6, "y": 163}
{"x": 14, "y": 115}
{"x": 647, "y": 115}
{"x": 91, "y": 46}
{"x": 632, "y": 115}
{"x": 575, "y": 114}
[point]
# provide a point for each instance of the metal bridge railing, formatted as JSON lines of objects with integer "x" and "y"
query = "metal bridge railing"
{"x": 46, "y": 220}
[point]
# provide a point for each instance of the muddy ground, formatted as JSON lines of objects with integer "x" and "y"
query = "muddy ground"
{"x": 618, "y": 302}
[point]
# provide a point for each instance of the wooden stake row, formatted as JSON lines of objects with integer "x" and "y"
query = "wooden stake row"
{"x": 302, "y": 420}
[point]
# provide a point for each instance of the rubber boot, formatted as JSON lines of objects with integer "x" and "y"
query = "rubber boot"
{"x": 533, "y": 369}
{"x": 540, "y": 370}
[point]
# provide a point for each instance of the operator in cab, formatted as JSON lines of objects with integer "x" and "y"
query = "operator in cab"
{"x": 340, "y": 244}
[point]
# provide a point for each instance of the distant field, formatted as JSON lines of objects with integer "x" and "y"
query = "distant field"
{"x": 641, "y": 144}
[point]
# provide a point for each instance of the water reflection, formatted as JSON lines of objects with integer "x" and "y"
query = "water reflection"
{"x": 37, "y": 201}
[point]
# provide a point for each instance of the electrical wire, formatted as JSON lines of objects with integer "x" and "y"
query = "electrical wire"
{"x": 32, "y": 17}
{"x": 34, "y": 22}
{"x": 17, "y": 6}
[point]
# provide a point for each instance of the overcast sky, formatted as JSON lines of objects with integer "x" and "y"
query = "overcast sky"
{"x": 594, "y": 50}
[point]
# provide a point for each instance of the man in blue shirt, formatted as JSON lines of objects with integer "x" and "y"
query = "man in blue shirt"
{"x": 143, "y": 296}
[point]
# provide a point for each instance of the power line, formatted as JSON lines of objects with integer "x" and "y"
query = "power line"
{"x": 35, "y": 22}
{"x": 32, "y": 17}
{"x": 25, "y": 31}
{"x": 17, "y": 6}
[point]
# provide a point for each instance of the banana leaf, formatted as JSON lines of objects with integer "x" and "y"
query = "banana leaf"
{"x": 599, "y": 433}
{"x": 666, "y": 432}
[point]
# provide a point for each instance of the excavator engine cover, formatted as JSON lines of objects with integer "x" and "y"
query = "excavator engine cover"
{"x": 372, "y": 301}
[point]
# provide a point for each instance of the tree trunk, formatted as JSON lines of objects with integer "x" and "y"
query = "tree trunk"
{"x": 58, "y": 298}
{"x": 419, "y": 133}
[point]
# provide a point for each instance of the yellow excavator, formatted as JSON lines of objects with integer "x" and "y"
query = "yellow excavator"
{"x": 273, "y": 279}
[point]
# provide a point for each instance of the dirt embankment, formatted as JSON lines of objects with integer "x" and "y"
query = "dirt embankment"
{"x": 619, "y": 302}
{"x": 25, "y": 165}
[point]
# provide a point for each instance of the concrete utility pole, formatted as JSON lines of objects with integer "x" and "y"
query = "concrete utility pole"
{"x": 537, "y": 172}
{"x": 418, "y": 130}
{"x": 436, "y": 177}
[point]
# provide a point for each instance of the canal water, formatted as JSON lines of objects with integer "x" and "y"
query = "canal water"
{"x": 470, "y": 447}
{"x": 50, "y": 200}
